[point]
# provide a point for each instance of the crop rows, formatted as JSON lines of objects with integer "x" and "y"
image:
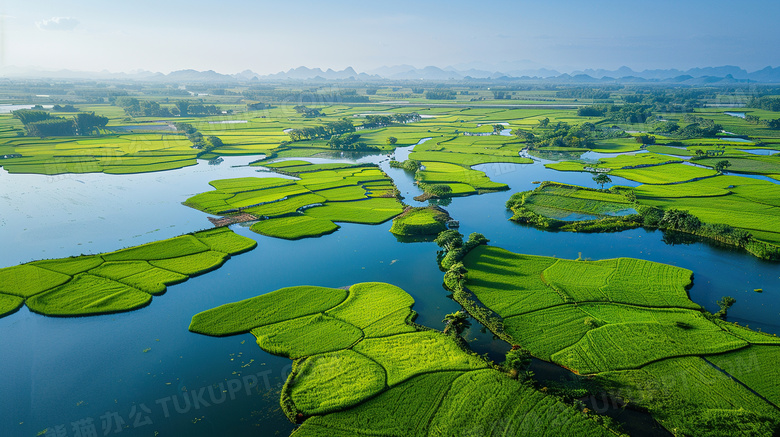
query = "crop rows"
{"x": 401, "y": 382}
{"x": 353, "y": 194}
{"x": 118, "y": 281}
{"x": 629, "y": 314}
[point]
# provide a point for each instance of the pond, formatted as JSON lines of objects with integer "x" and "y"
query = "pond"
{"x": 763, "y": 152}
{"x": 59, "y": 371}
{"x": 7, "y": 109}
{"x": 737, "y": 140}
{"x": 591, "y": 156}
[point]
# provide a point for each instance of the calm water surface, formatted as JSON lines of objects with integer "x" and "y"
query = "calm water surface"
{"x": 132, "y": 366}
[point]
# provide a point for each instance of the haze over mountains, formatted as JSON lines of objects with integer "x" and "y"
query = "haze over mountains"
{"x": 694, "y": 76}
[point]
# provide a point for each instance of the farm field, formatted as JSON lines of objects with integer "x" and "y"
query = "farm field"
{"x": 723, "y": 203}
{"x": 572, "y": 208}
{"x": 348, "y": 379}
{"x": 624, "y": 321}
{"x": 307, "y": 207}
{"x": 351, "y": 361}
{"x": 117, "y": 281}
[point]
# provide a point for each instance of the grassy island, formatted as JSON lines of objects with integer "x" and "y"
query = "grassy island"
{"x": 306, "y": 207}
{"x": 630, "y": 325}
{"x": 732, "y": 210}
{"x": 361, "y": 367}
{"x": 420, "y": 222}
{"x": 117, "y": 281}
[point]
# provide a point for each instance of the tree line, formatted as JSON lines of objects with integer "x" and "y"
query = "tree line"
{"x": 149, "y": 108}
{"x": 350, "y": 141}
{"x": 206, "y": 144}
{"x": 42, "y": 124}
{"x": 440, "y": 95}
{"x": 320, "y": 132}
{"x": 628, "y": 113}
{"x": 345, "y": 125}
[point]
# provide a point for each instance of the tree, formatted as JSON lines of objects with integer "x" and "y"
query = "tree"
{"x": 392, "y": 140}
{"x": 183, "y": 107}
{"x": 680, "y": 220}
{"x": 544, "y": 122}
{"x": 449, "y": 239}
{"x": 602, "y": 179}
{"x": 28, "y": 116}
{"x": 645, "y": 139}
{"x": 457, "y": 321}
{"x": 54, "y": 127}
{"x": 497, "y": 128}
{"x": 87, "y": 123}
{"x": 523, "y": 134}
{"x": 517, "y": 360}
{"x": 725, "y": 303}
{"x": 700, "y": 153}
{"x": 722, "y": 165}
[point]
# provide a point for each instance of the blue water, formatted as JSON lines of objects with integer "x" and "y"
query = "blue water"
{"x": 737, "y": 140}
{"x": 59, "y": 371}
{"x": 592, "y": 156}
{"x": 763, "y": 152}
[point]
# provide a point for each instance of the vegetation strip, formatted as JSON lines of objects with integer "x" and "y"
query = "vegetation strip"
{"x": 730, "y": 210}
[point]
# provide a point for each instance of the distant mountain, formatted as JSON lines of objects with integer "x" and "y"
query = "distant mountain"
{"x": 727, "y": 74}
{"x": 702, "y": 75}
{"x": 197, "y": 76}
{"x": 304, "y": 73}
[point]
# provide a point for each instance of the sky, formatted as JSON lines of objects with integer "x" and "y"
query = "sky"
{"x": 230, "y": 36}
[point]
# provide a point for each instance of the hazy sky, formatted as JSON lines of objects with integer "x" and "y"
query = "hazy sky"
{"x": 267, "y": 37}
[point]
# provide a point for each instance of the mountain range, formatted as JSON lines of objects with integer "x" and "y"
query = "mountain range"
{"x": 695, "y": 76}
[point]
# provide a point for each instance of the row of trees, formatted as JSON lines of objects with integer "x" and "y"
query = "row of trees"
{"x": 345, "y": 125}
{"x": 307, "y": 112}
{"x": 206, "y": 144}
{"x": 440, "y": 95}
{"x": 351, "y": 142}
{"x": 374, "y": 121}
{"x": 698, "y": 128}
{"x": 148, "y": 108}
{"x": 771, "y": 124}
{"x": 42, "y": 124}
{"x": 317, "y": 132}
{"x": 584, "y": 93}
{"x": 559, "y": 135}
{"x": 766, "y": 103}
{"x": 628, "y": 113}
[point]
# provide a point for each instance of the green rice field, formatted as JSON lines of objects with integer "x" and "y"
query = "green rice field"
{"x": 117, "y": 281}
{"x": 308, "y": 207}
{"x": 630, "y": 323}
{"x": 347, "y": 379}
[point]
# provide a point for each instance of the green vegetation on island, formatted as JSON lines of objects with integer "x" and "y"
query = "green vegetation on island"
{"x": 630, "y": 324}
{"x": 420, "y": 221}
{"x": 308, "y": 206}
{"x": 116, "y": 281}
{"x": 732, "y": 210}
{"x": 555, "y": 206}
